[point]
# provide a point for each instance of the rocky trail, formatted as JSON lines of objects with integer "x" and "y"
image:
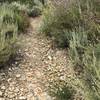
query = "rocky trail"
{"x": 25, "y": 79}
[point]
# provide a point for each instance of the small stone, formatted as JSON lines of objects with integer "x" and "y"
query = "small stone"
{"x": 3, "y": 87}
{"x": 10, "y": 69}
{"x": 62, "y": 78}
{"x": 18, "y": 76}
{"x": 49, "y": 57}
{"x": 16, "y": 90}
{"x": 1, "y": 94}
{"x": 22, "y": 98}
{"x": 22, "y": 89}
{"x": 11, "y": 96}
{"x": 2, "y": 74}
{"x": 16, "y": 63}
{"x": 23, "y": 78}
{"x": 9, "y": 79}
{"x": 11, "y": 88}
{"x": 19, "y": 51}
{"x": 26, "y": 50}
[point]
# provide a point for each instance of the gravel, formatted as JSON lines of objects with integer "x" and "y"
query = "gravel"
{"x": 26, "y": 79}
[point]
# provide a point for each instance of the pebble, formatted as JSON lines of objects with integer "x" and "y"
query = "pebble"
{"x": 1, "y": 94}
{"x": 22, "y": 98}
{"x": 26, "y": 50}
{"x": 63, "y": 78}
{"x": 11, "y": 88}
{"x": 16, "y": 63}
{"x": 3, "y": 87}
{"x": 49, "y": 57}
{"x": 2, "y": 74}
{"x": 18, "y": 76}
{"x": 10, "y": 69}
{"x": 9, "y": 79}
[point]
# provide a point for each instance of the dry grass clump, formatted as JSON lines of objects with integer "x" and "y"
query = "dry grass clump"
{"x": 76, "y": 24}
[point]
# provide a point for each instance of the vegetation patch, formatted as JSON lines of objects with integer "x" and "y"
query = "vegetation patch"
{"x": 75, "y": 24}
{"x": 12, "y": 21}
{"x": 8, "y": 33}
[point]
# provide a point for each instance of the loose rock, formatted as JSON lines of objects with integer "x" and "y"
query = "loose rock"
{"x": 18, "y": 76}
{"x": 3, "y": 87}
{"x": 1, "y": 94}
{"x": 22, "y": 98}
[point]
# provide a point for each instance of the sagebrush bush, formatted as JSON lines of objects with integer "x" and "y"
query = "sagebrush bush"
{"x": 87, "y": 58}
{"x": 91, "y": 61}
{"x": 8, "y": 38}
{"x": 32, "y": 11}
{"x": 76, "y": 24}
{"x": 37, "y": 8}
{"x": 20, "y": 15}
{"x": 22, "y": 21}
{"x": 35, "y": 11}
{"x": 12, "y": 21}
{"x": 13, "y": 14}
{"x": 21, "y": 1}
{"x": 8, "y": 34}
{"x": 70, "y": 16}
{"x": 64, "y": 93}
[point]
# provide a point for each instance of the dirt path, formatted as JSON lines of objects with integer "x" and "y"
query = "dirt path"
{"x": 25, "y": 79}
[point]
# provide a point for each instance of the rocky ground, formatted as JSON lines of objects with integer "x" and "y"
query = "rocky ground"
{"x": 26, "y": 78}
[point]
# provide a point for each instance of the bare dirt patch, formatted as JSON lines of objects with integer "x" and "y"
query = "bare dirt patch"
{"x": 28, "y": 79}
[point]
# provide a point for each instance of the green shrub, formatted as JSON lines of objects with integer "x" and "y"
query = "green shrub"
{"x": 17, "y": 6}
{"x": 76, "y": 24}
{"x": 20, "y": 15}
{"x": 64, "y": 93}
{"x": 57, "y": 19}
{"x": 28, "y": 3}
{"x": 86, "y": 56}
{"x": 22, "y": 21}
{"x": 21, "y": 1}
{"x": 91, "y": 62}
{"x": 12, "y": 21}
{"x": 8, "y": 34}
{"x": 7, "y": 42}
{"x": 37, "y": 8}
{"x": 35, "y": 11}
{"x": 31, "y": 11}
{"x": 13, "y": 14}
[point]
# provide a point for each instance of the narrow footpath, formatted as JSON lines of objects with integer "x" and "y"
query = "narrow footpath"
{"x": 26, "y": 78}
